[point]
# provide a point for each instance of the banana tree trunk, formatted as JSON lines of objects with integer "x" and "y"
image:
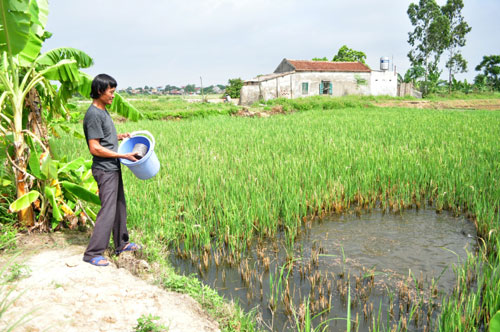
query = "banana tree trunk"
{"x": 26, "y": 217}
{"x": 36, "y": 123}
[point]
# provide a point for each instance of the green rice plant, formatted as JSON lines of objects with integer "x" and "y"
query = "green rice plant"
{"x": 305, "y": 324}
{"x": 377, "y": 320}
{"x": 276, "y": 285}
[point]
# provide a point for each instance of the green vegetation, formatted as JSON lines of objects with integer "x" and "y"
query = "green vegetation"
{"x": 16, "y": 271}
{"x": 229, "y": 316}
{"x": 490, "y": 65}
{"x": 8, "y": 230}
{"x": 30, "y": 105}
{"x": 148, "y": 324}
{"x": 437, "y": 29}
{"x": 345, "y": 54}
{"x": 177, "y": 107}
{"x": 9, "y": 272}
{"x": 226, "y": 181}
{"x": 427, "y": 40}
{"x": 170, "y": 107}
{"x": 458, "y": 28}
{"x": 234, "y": 87}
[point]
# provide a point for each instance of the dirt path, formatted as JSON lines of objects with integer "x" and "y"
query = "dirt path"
{"x": 70, "y": 295}
{"x": 471, "y": 104}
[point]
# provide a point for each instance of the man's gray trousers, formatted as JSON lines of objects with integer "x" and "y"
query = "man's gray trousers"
{"x": 111, "y": 217}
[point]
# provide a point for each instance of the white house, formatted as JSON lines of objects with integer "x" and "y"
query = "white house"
{"x": 302, "y": 78}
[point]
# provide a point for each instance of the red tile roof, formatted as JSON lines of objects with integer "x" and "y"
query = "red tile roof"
{"x": 305, "y": 65}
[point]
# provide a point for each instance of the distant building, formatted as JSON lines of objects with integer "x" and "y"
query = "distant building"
{"x": 303, "y": 78}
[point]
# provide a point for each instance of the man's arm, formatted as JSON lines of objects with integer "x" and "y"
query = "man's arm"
{"x": 96, "y": 149}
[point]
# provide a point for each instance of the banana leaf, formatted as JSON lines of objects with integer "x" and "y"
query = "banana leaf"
{"x": 34, "y": 164}
{"x": 71, "y": 166}
{"x": 15, "y": 21}
{"x": 91, "y": 213}
{"x": 50, "y": 193}
{"x": 49, "y": 169}
{"x": 50, "y": 58}
{"x": 119, "y": 105}
{"x": 39, "y": 11}
{"x": 495, "y": 323}
{"x": 81, "y": 192}
{"x": 65, "y": 70}
{"x": 24, "y": 201}
{"x": 124, "y": 108}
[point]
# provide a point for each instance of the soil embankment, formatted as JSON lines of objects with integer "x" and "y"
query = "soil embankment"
{"x": 471, "y": 104}
{"x": 60, "y": 292}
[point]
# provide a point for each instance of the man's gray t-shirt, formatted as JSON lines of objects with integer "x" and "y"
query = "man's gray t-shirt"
{"x": 98, "y": 124}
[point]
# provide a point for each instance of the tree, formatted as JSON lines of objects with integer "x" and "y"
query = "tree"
{"x": 490, "y": 65}
{"x": 458, "y": 28}
{"x": 320, "y": 59}
{"x": 413, "y": 74}
{"x": 234, "y": 87}
{"x": 349, "y": 55}
{"x": 190, "y": 88}
{"x": 29, "y": 103}
{"x": 427, "y": 39}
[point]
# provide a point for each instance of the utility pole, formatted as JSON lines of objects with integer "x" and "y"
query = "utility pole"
{"x": 201, "y": 88}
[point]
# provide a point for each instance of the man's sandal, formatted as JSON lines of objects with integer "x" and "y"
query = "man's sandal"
{"x": 131, "y": 246}
{"x": 96, "y": 261}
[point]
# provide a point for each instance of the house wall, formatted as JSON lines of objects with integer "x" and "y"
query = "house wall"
{"x": 342, "y": 83}
{"x": 249, "y": 93}
{"x": 384, "y": 83}
{"x": 290, "y": 86}
{"x": 407, "y": 89}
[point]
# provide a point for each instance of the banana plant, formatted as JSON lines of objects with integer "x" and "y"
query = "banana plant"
{"x": 64, "y": 191}
{"x": 29, "y": 102}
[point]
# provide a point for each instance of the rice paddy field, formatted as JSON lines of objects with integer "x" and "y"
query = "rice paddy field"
{"x": 228, "y": 184}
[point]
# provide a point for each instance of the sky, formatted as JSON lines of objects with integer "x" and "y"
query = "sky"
{"x": 177, "y": 42}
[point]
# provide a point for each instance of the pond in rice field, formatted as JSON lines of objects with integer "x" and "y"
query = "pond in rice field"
{"x": 383, "y": 264}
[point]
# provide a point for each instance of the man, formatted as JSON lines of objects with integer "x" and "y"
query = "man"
{"x": 102, "y": 140}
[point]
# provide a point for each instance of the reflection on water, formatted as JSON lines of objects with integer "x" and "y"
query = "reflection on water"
{"x": 421, "y": 241}
{"x": 374, "y": 254}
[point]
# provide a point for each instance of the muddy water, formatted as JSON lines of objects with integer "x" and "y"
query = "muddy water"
{"x": 386, "y": 261}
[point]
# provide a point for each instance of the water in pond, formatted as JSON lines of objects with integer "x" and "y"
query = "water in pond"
{"x": 385, "y": 261}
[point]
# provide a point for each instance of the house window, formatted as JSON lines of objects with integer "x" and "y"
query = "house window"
{"x": 325, "y": 88}
{"x": 305, "y": 88}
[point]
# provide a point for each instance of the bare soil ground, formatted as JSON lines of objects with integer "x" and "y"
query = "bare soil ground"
{"x": 60, "y": 292}
{"x": 245, "y": 112}
{"x": 472, "y": 104}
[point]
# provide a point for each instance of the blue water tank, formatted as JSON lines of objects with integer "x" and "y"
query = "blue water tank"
{"x": 384, "y": 63}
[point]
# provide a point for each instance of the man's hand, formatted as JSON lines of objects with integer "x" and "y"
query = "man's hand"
{"x": 122, "y": 136}
{"x": 130, "y": 156}
{"x": 96, "y": 149}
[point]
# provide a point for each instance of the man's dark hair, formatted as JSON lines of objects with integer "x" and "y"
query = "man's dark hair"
{"x": 100, "y": 83}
